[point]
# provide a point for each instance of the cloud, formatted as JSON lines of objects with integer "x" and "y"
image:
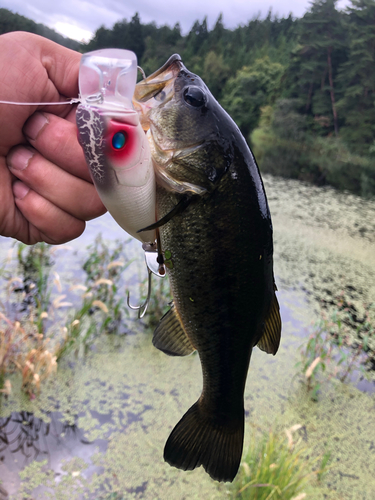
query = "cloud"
{"x": 90, "y": 15}
{"x": 72, "y": 31}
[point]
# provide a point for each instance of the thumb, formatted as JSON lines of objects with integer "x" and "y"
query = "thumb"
{"x": 62, "y": 66}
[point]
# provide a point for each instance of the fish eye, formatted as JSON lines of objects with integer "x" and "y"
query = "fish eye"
{"x": 194, "y": 97}
{"x": 119, "y": 140}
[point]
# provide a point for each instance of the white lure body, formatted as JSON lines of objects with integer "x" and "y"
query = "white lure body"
{"x": 115, "y": 145}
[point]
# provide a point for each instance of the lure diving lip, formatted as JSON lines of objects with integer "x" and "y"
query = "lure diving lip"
{"x": 114, "y": 143}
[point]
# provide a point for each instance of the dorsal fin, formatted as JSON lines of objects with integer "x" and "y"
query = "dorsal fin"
{"x": 270, "y": 339}
{"x": 170, "y": 336}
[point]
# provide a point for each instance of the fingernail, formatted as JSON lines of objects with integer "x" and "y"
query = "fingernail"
{"x": 20, "y": 190}
{"x": 19, "y": 158}
{"x": 34, "y": 125}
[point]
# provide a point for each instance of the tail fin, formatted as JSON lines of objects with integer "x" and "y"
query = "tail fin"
{"x": 198, "y": 440}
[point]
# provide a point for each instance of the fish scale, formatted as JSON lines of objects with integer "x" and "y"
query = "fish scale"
{"x": 222, "y": 290}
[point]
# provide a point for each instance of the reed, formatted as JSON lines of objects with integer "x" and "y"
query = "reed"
{"x": 276, "y": 468}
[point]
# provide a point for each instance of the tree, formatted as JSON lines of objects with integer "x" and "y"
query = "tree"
{"x": 135, "y": 39}
{"x": 102, "y": 40}
{"x": 215, "y": 73}
{"x": 218, "y": 33}
{"x": 196, "y": 38}
{"x": 358, "y": 76}
{"x": 160, "y": 43}
{"x": 316, "y": 59}
{"x": 252, "y": 88}
{"x": 124, "y": 35}
{"x": 14, "y": 22}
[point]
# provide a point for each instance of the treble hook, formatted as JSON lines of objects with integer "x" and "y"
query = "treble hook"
{"x": 143, "y": 307}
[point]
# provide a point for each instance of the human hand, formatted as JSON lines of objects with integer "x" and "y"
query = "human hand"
{"x": 46, "y": 191}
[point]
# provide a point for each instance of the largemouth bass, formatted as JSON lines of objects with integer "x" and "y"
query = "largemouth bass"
{"x": 216, "y": 237}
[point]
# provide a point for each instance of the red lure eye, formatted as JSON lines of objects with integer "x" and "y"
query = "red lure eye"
{"x": 121, "y": 142}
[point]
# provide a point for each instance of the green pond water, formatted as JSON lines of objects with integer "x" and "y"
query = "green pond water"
{"x": 99, "y": 426}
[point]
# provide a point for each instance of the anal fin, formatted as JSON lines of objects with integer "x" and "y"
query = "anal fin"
{"x": 170, "y": 336}
{"x": 270, "y": 339}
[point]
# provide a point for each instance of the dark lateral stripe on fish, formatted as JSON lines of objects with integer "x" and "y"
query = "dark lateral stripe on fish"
{"x": 170, "y": 337}
{"x": 198, "y": 440}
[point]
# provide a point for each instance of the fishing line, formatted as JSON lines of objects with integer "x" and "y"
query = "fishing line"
{"x": 73, "y": 100}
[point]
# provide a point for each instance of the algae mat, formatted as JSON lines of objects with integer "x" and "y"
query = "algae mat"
{"x": 99, "y": 427}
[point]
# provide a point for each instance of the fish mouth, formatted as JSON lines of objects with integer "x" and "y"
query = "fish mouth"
{"x": 153, "y": 84}
{"x": 156, "y": 89}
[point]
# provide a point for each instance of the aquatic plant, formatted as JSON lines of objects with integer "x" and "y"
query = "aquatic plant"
{"x": 324, "y": 467}
{"x": 35, "y": 262}
{"x": 23, "y": 349}
{"x": 23, "y": 310}
{"x": 353, "y": 324}
{"x": 103, "y": 308}
{"x": 103, "y": 269}
{"x": 331, "y": 344}
{"x": 274, "y": 468}
{"x": 37, "y": 322}
{"x": 315, "y": 355}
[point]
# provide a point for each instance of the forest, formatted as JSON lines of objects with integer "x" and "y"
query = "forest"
{"x": 301, "y": 90}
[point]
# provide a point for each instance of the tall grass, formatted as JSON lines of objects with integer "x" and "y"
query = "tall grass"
{"x": 272, "y": 469}
{"x": 103, "y": 307}
{"x": 25, "y": 350}
{"x": 38, "y": 323}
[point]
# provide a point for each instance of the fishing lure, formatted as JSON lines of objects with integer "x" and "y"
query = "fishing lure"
{"x": 117, "y": 150}
{"x": 115, "y": 146}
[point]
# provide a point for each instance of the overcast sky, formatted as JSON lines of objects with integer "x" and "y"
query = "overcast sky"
{"x": 79, "y": 19}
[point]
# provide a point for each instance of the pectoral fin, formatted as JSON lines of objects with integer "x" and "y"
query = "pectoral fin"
{"x": 170, "y": 337}
{"x": 270, "y": 339}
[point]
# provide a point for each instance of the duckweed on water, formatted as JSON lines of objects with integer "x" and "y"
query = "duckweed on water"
{"x": 324, "y": 246}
